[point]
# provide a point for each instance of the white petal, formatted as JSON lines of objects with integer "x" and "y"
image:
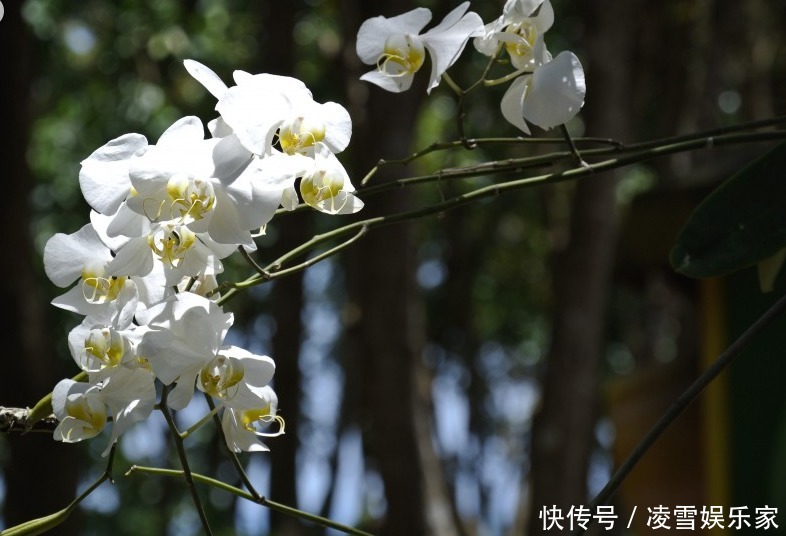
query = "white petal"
{"x": 341, "y": 203}
{"x": 206, "y": 77}
{"x": 130, "y": 395}
{"x": 375, "y": 31}
{"x": 65, "y": 256}
{"x": 557, "y": 94}
{"x": 339, "y": 126}
{"x": 487, "y": 43}
{"x": 218, "y": 128}
{"x": 515, "y": 10}
{"x": 104, "y": 175}
{"x": 254, "y": 116}
{"x": 60, "y": 396}
{"x": 125, "y": 224}
{"x": 226, "y": 225}
{"x": 446, "y": 41}
{"x": 513, "y": 100}
{"x": 276, "y": 172}
{"x": 185, "y": 130}
{"x": 545, "y": 17}
{"x": 395, "y": 84}
{"x": 134, "y": 258}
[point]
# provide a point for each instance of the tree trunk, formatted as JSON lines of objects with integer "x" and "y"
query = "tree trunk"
{"x": 40, "y": 474}
{"x": 563, "y": 428}
{"x": 381, "y": 339}
{"x": 286, "y": 298}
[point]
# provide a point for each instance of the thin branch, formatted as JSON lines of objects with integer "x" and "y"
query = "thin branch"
{"x": 477, "y": 142}
{"x": 579, "y": 160}
{"x": 460, "y": 94}
{"x": 616, "y": 146}
{"x": 274, "y": 271}
{"x": 684, "y": 400}
{"x": 17, "y": 420}
{"x": 181, "y": 452}
{"x": 294, "y": 512}
{"x": 257, "y": 497}
{"x": 636, "y": 152}
{"x": 493, "y": 190}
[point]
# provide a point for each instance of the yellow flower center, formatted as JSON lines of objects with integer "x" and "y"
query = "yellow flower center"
{"x": 221, "y": 375}
{"x": 250, "y": 419}
{"x": 301, "y": 133}
{"x": 98, "y": 289}
{"x": 192, "y": 199}
{"x": 171, "y": 242}
{"x": 320, "y": 186}
{"x": 521, "y": 50}
{"x": 402, "y": 55}
{"x": 92, "y": 415}
{"x": 106, "y": 345}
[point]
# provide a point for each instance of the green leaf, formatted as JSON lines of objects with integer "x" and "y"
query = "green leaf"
{"x": 39, "y": 525}
{"x": 739, "y": 224}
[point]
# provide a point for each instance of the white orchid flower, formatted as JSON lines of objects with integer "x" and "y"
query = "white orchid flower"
{"x": 127, "y": 395}
{"x": 397, "y": 48}
{"x": 200, "y": 184}
{"x": 244, "y": 428}
{"x": 550, "y": 96}
{"x": 263, "y": 108}
{"x": 83, "y": 256}
{"x": 236, "y": 377}
{"x": 327, "y": 187}
{"x": 105, "y": 341}
{"x": 173, "y": 248}
{"x": 179, "y": 337}
{"x": 521, "y": 31}
{"x": 80, "y": 409}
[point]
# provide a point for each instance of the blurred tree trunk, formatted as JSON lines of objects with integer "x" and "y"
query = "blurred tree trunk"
{"x": 563, "y": 428}
{"x": 287, "y": 305}
{"x": 286, "y": 298}
{"x": 40, "y": 474}
{"x": 383, "y": 337}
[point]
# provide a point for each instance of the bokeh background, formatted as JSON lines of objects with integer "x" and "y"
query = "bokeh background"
{"x": 447, "y": 376}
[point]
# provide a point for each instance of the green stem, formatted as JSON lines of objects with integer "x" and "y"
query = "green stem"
{"x": 461, "y": 94}
{"x": 232, "y": 455}
{"x": 199, "y": 424}
{"x": 579, "y": 160}
{"x": 273, "y": 271}
{"x": 616, "y": 146}
{"x": 288, "y": 510}
{"x": 493, "y": 190}
{"x": 453, "y": 85}
{"x": 487, "y": 69}
{"x": 181, "y": 452}
{"x": 506, "y": 78}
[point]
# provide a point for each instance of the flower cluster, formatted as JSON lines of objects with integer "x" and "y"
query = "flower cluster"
{"x": 143, "y": 272}
{"x": 163, "y": 217}
{"x": 545, "y": 91}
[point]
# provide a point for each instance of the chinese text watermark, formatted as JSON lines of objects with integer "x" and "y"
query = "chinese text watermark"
{"x": 661, "y": 517}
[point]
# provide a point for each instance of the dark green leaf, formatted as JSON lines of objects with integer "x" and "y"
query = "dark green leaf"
{"x": 740, "y": 223}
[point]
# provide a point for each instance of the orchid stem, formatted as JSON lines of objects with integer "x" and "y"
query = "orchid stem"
{"x": 181, "y": 452}
{"x": 579, "y": 160}
{"x": 288, "y": 510}
{"x": 213, "y": 411}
